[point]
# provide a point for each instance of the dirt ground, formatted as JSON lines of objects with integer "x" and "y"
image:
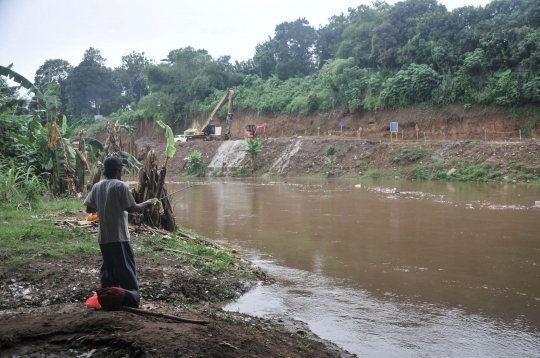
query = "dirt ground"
{"x": 43, "y": 314}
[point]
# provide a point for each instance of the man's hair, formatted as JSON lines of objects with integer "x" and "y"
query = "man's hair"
{"x": 111, "y": 165}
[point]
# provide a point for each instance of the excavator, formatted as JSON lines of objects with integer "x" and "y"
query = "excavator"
{"x": 208, "y": 130}
{"x": 252, "y": 130}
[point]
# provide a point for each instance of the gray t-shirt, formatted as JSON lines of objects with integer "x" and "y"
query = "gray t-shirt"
{"x": 111, "y": 197}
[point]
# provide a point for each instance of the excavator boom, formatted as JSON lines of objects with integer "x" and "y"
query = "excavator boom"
{"x": 227, "y": 96}
{"x": 205, "y": 130}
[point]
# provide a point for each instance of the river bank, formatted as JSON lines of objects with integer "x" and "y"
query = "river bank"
{"x": 50, "y": 267}
{"x": 482, "y": 161}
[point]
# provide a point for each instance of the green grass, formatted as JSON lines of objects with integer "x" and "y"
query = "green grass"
{"x": 375, "y": 174}
{"x": 29, "y": 234}
{"x": 410, "y": 155}
{"x": 206, "y": 257}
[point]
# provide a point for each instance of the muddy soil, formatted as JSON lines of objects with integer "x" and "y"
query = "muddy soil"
{"x": 43, "y": 314}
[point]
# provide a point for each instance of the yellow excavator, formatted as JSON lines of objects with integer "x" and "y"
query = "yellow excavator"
{"x": 208, "y": 130}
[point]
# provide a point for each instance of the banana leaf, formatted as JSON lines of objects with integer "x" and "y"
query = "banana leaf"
{"x": 94, "y": 143}
{"x": 130, "y": 161}
{"x": 169, "y": 152}
{"x": 20, "y": 79}
{"x": 64, "y": 125}
{"x": 70, "y": 151}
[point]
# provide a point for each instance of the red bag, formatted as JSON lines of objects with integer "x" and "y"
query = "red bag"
{"x": 110, "y": 297}
{"x": 93, "y": 302}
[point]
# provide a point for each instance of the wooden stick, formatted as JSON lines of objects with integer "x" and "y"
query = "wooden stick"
{"x": 188, "y": 253}
{"x": 162, "y": 315}
{"x": 203, "y": 240}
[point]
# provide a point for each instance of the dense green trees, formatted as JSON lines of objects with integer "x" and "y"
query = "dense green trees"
{"x": 378, "y": 56}
{"x": 186, "y": 78}
{"x": 290, "y": 53}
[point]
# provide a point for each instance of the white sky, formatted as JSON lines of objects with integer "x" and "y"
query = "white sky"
{"x": 33, "y": 31}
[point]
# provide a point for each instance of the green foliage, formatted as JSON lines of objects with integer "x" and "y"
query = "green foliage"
{"x": 92, "y": 88}
{"x": 330, "y": 150}
{"x": 531, "y": 157}
{"x": 373, "y": 174}
{"x": 19, "y": 184}
{"x": 241, "y": 171}
{"x": 374, "y": 56}
{"x": 330, "y": 161}
{"x": 253, "y": 148}
{"x": 290, "y": 53}
{"x": 414, "y": 84}
{"x": 409, "y": 155}
{"x": 195, "y": 165}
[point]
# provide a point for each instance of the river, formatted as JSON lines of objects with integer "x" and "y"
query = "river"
{"x": 385, "y": 269}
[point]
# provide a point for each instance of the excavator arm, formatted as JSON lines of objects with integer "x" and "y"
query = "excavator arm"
{"x": 228, "y": 96}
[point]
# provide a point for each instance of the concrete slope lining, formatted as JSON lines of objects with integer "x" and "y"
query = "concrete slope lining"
{"x": 228, "y": 156}
{"x": 283, "y": 160}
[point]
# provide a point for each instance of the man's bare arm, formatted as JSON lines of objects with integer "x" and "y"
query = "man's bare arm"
{"x": 90, "y": 210}
{"x": 138, "y": 207}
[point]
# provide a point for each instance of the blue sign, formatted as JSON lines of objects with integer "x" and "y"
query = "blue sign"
{"x": 394, "y": 127}
{"x": 341, "y": 124}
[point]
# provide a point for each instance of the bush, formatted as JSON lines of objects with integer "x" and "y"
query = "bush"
{"x": 20, "y": 185}
{"x": 330, "y": 150}
{"x": 195, "y": 165}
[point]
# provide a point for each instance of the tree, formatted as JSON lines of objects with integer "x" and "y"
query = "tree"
{"x": 54, "y": 71}
{"x": 295, "y": 49}
{"x": 188, "y": 77}
{"x": 399, "y": 26}
{"x": 290, "y": 53}
{"x": 132, "y": 80}
{"x": 92, "y": 89}
{"x": 94, "y": 55}
{"x": 329, "y": 39}
{"x": 265, "y": 58}
{"x": 357, "y": 36}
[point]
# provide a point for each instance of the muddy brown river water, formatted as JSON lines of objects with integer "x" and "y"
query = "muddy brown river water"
{"x": 385, "y": 269}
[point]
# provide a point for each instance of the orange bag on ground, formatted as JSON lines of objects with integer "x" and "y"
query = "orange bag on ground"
{"x": 93, "y": 302}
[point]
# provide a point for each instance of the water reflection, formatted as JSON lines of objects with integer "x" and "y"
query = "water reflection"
{"x": 433, "y": 270}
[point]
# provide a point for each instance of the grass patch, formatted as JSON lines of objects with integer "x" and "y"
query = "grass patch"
{"x": 376, "y": 174}
{"x": 410, "y": 155}
{"x": 29, "y": 234}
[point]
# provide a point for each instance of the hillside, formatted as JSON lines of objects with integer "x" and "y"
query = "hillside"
{"x": 482, "y": 145}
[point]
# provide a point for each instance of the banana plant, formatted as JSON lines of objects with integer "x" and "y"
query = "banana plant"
{"x": 60, "y": 155}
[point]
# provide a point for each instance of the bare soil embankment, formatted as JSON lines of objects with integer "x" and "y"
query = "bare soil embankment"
{"x": 516, "y": 161}
{"x": 486, "y": 138}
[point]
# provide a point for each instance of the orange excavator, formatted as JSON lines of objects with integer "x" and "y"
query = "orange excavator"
{"x": 252, "y": 131}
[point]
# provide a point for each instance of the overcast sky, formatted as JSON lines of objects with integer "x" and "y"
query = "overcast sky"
{"x": 33, "y": 31}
